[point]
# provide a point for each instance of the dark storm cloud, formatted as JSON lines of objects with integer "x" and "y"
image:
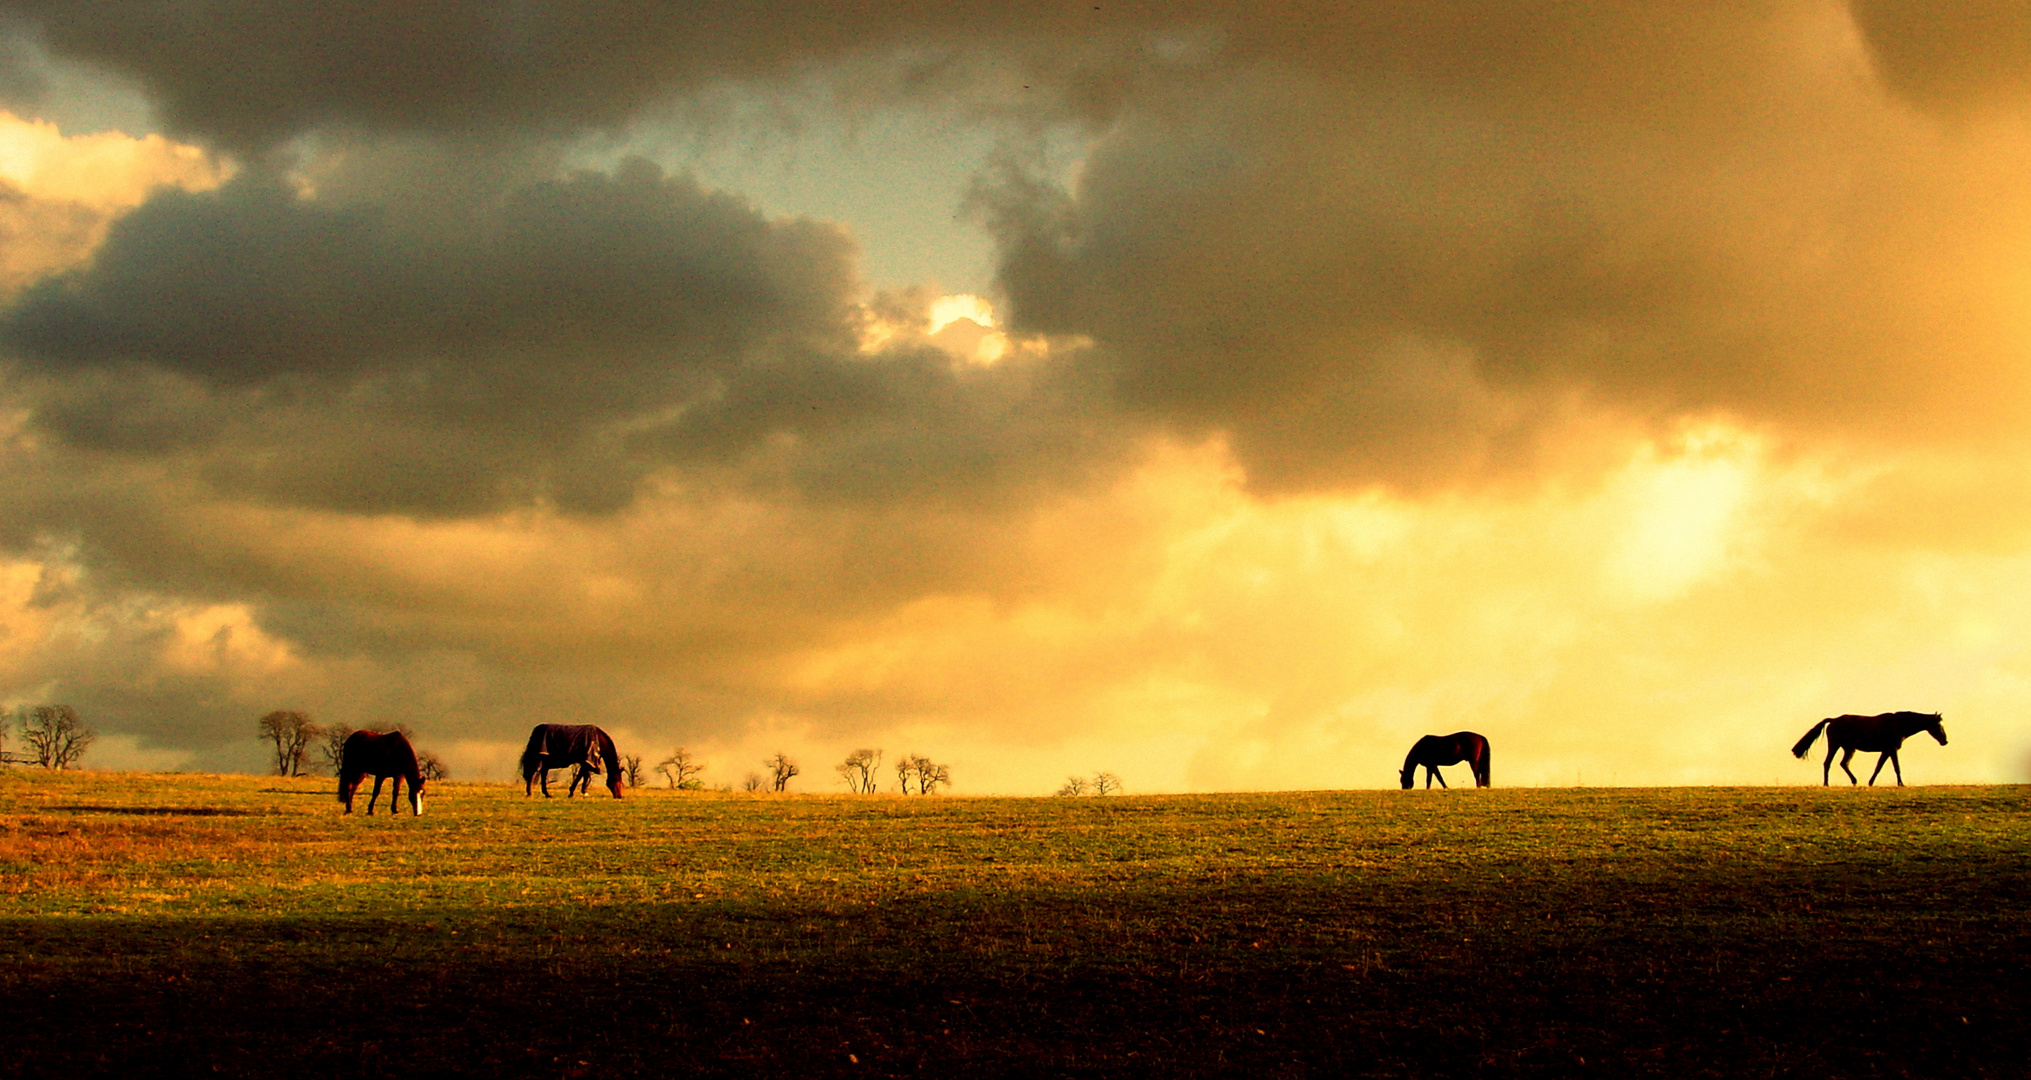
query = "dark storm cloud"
{"x": 1401, "y": 273}
{"x": 250, "y": 282}
{"x": 559, "y": 340}
{"x": 1362, "y": 241}
{"x": 1953, "y": 56}
{"x": 249, "y": 74}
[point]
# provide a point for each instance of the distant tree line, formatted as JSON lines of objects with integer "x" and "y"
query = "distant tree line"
{"x": 1101, "y": 783}
{"x": 915, "y": 773}
{"x": 52, "y": 736}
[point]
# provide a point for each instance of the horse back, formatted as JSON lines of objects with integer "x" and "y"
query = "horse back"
{"x": 565, "y": 744}
{"x": 380, "y": 753}
{"x": 1875, "y": 734}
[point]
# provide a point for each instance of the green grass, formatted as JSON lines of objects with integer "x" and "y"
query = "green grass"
{"x": 239, "y": 925}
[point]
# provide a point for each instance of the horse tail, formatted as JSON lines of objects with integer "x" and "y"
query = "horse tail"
{"x": 532, "y": 755}
{"x": 1799, "y": 748}
{"x": 348, "y": 773}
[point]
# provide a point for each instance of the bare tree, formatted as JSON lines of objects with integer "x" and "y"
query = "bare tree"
{"x": 331, "y": 746}
{"x": 56, "y": 738}
{"x": 858, "y": 770}
{"x": 631, "y": 769}
{"x": 5, "y": 757}
{"x": 752, "y": 782}
{"x": 1106, "y": 783}
{"x": 1074, "y": 785}
{"x": 925, "y": 773}
{"x": 429, "y": 767}
{"x": 291, "y": 732}
{"x": 781, "y": 769}
{"x": 682, "y": 769}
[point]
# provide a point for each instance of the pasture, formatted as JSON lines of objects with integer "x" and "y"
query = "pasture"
{"x": 239, "y": 926}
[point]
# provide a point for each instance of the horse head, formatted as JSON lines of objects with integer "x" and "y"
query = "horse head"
{"x": 613, "y": 783}
{"x": 1409, "y": 776}
{"x": 1936, "y": 729}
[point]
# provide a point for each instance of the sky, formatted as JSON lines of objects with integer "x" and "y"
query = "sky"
{"x": 1217, "y": 395}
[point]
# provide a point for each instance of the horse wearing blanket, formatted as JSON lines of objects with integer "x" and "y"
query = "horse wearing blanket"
{"x": 562, "y": 746}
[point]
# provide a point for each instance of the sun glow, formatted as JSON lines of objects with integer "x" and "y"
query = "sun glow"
{"x": 948, "y": 309}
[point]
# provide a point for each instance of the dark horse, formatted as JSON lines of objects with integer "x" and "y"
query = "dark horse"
{"x": 387, "y": 756}
{"x": 1883, "y": 734}
{"x": 1433, "y": 751}
{"x": 561, "y": 746}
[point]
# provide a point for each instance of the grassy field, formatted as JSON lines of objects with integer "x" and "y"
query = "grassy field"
{"x": 239, "y": 926}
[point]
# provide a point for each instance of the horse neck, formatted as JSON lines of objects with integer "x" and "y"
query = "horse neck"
{"x": 1912, "y": 723}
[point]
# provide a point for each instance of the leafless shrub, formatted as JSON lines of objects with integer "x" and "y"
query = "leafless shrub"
{"x": 1106, "y": 783}
{"x": 331, "y": 746}
{"x": 752, "y": 782}
{"x": 781, "y": 769}
{"x": 1074, "y": 785}
{"x": 858, "y": 770}
{"x": 631, "y": 769}
{"x": 429, "y": 767}
{"x": 682, "y": 769}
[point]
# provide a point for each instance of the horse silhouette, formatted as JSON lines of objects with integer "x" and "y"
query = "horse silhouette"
{"x": 1881, "y": 734}
{"x": 1433, "y": 751}
{"x": 562, "y": 746}
{"x": 387, "y": 755}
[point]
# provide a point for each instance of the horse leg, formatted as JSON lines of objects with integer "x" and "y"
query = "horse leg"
{"x": 543, "y": 770}
{"x": 1894, "y": 767}
{"x": 395, "y": 796}
{"x": 1847, "y": 756}
{"x": 1441, "y": 777}
{"x": 376, "y": 796}
{"x": 1826, "y": 768}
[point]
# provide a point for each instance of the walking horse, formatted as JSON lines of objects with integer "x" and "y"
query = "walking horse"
{"x": 1882, "y": 734}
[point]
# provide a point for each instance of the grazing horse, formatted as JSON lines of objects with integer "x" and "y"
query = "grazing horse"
{"x": 1433, "y": 751}
{"x": 387, "y": 756}
{"x": 1882, "y": 734}
{"x": 561, "y": 746}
